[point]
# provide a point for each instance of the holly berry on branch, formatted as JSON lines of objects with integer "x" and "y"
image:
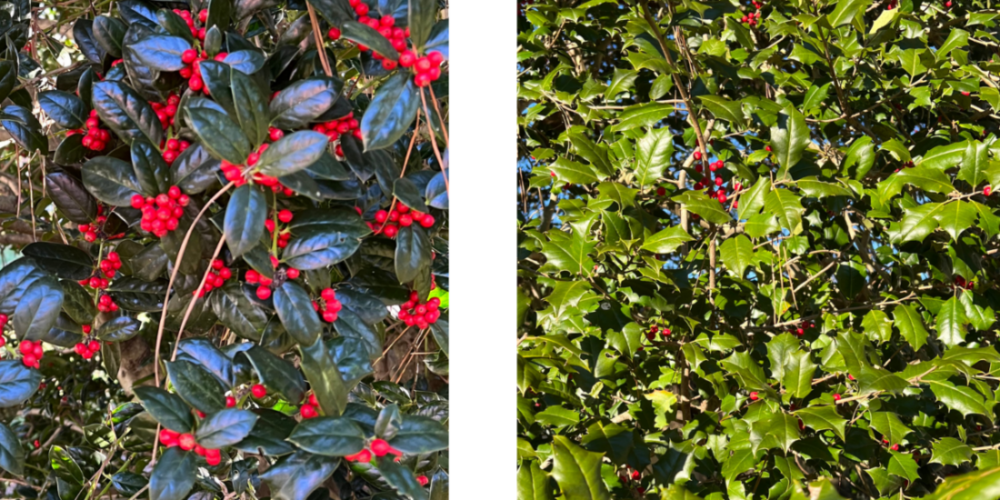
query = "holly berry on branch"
{"x": 169, "y": 439}
{"x": 422, "y": 314}
{"x": 160, "y": 214}
{"x": 401, "y": 216}
{"x": 94, "y": 137}
{"x": 31, "y": 353}
{"x": 106, "y": 304}
{"x": 328, "y": 306}
{"x": 215, "y": 278}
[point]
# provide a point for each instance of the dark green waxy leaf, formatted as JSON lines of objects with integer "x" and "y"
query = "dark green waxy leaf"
{"x": 128, "y": 483}
{"x": 24, "y": 128}
{"x": 245, "y": 216}
{"x": 168, "y": 409}
{"x": 577, "y": 471}
{"x": 118, "y": 329}
{"x": 151, "y": 170}
{"x": 225, "y": 428}
{"x": 77, "y": 303}
{"x": 238, "y": 313}
{"x": 327, "y": 244}
{"x": 126, "y": 112}
{"x": 963, "y": 399}
{"x": 161, "y": 52}
{"x": 303, "y": 101}
{"x": 277, "y": 374}
{"x": 781, "y": 430}
{"x": 407, "y": 192}
{"x": 328, "y": 436}
{"x": 402, "y": 479}
{"x": 194, "y": 170}
{"x": 292, "y": 153}
{"x": 71, "y": 197}
{"x": 137, "y": 295}
{"x": 363, "y": 34}
{"x": 217, "y": 133}
{"x": 38, "y": 309}
{"x": 15, "y": 278}
{"x": 423, "y": 13}
{"x": 220, "y": 13}
{"x": 951, "y": 322}
{"x": 295, "y": 310}
{"x": 66, "y": 469}
{"x": 12, "y": 454}
{"x": 197, "y": 386}
{"x": 8, "y": 78}
{"x": 269, "y": 434}
{"x": 174, "y": 475}
{"x": 249, "y": 103}
{"x": 64, "y": 261}
{"x": 112, "y": 181}
{"x": 246, "y": 62}
{"x": 174, "y": 24}
{"x": 391, "y": 112}
{"x": 438, "y": 41}
{"x": 64, "y": 108}
{"x": 296, "y": 476}
{"x": 109, "y": 33}
{"x": 420, "y": 435}
{"x": 324, "y": 378}
{"x": 17, "y": 384}
{"x": 413, "y": 253}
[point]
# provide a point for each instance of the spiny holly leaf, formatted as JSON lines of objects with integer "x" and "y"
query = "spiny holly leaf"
{"x": 577, "y": 471}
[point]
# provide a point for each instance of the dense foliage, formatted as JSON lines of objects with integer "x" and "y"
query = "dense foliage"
{"x": 757, "y": 249}
{"x": 226, "y": 258}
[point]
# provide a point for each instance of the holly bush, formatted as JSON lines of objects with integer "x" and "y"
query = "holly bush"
{"x": 757, "y": 249}
{"x": 226, "y": 250}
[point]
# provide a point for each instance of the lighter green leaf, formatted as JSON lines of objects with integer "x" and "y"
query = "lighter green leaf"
{"x": 653, "y": 154}
{"x": 950, "y": 322}
{"x": 668, "y": 240}
{"x": 577, "y": 471}
{"x": 950, "y": 451}
{"x": 822, "y": 418}
{"x": 910, "y": 325}
{"x": 790, "y": 135}
{"x": 786, "y": 206}
{"x": 737, "y": 254}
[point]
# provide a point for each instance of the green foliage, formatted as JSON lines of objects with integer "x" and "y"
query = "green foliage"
{"x": 278, "y": 152}
{"x": 756, "y": 259}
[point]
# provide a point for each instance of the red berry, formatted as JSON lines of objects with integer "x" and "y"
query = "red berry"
{"x": 213, "y": 457}
{"x": 836, "y": 397}
{"x": 308, "y": 411}
{"x": 186, "y": 442}
{"x": 333, "y": 34}
{"x": 263, "y": 292}
{"x": 435, "y": 58}
{"x": 987, "y": 191}
{"x": 230, "y": 402}
{"x": 285, "y": 216}
{"x": 258, "y": 391}
{"x": 292, "y": 273}
{"x": 754, "y": 396}
{"x": 188, "y": 56}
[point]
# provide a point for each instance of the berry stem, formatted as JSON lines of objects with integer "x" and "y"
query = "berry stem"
{"x": 318, "y": 34}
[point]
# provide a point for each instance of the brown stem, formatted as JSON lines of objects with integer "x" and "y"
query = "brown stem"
{"x": 318, "y": 34}
{"x": 437, "y": 152}
{"x": 437, "y": 108}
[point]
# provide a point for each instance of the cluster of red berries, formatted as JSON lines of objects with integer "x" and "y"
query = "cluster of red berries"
{"x": 422, "y": 314}
{"x": 378, "y": 448}
{"x": 400, "y": 216}
{"x": 87, "y": 350}
{"x": 32, "y": 353}
{"x": 192, "y": 70}
{"x": 106, "y": 304}
{"x": 166, "y": 112}
{"x": 386, "y": 26}
{"x": 3, "y": 323}
{"x": 968, "y": 285}
{"x": 214, "y": 279}
{"x": 284, "y": 236}
{"x": 311, "y": 408}
{"x": 95, "y": 282}
{"x": 234, "y": 173}
{"x": 174, "y": 148}
{"x": 264, "y": 288}
{"x": 186, "y": 441}
{"x": 111, "y": 264}
{"x": 427, "y": 68}
{"x": 95, "y": 138}
{"x": 328, "y": 305}
{"x": 654, "y": 329}
{"x": 908, "y": 164}
{"x": 751, "y": 19}
{"x": 343, "y": 126}
{"x": 635, "y": 476}
{"x": 885, "y": 442}
{"x": 161, "y": 213}
{"x": 198, "y": 33}
{"x": 801, "y": 329}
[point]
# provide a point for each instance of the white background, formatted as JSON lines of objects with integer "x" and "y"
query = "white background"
{"x": 483, "y": 164}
